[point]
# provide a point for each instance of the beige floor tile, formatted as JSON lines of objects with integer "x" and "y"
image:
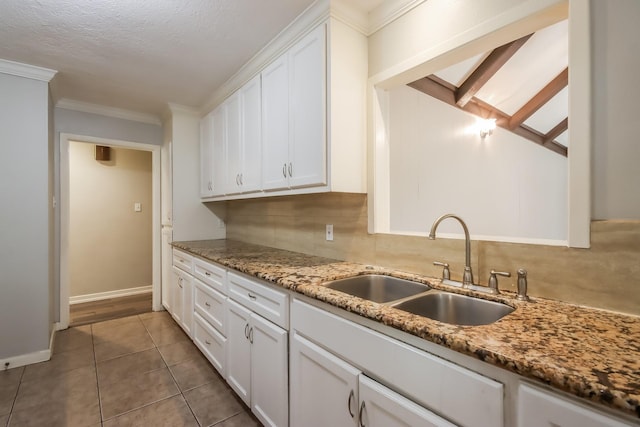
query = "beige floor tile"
{"x": 73, "y": 339}
{"x": 108, "y": 334}
{"x": 152, "y": 314}
{"x": 193, "y": 373}
{"x": 168, "y": 335}
{"x": 172, "y": 412}
{"x": 114, "y": 323}
{"x": 243, "y": 419}
{"x": 62, "y": 388}
{"x": 4, "y": 420}
{"x": 119, "y": 368}
{"x": 158, "y": 321}
{"x": 81, "y": 411}
{"x": 214, "y": 402}
{"x": 180, "y": 351}
{"x": 59, "y": 364}
{"x": 9, "y": 381}
{"x": 131, "y": 342}
{"x": 135, "y": 391}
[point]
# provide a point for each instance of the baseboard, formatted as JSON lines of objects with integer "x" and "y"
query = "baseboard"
{"x": 109, "y": 294}
{"x": 29, "y": 358}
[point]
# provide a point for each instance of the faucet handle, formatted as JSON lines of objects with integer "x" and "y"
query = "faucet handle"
{"x": 522, "y": 285}
{"x": 493, "y": 280}
{"x": 446, "y": 274}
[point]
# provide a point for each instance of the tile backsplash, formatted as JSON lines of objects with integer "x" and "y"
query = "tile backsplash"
{"x": 605, "y": 276}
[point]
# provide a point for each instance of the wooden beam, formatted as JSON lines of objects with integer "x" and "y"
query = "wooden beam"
{"x": 557, "y": 131}
{"x": 481, "y": 75}
{"x": 541, "y": 98}
{"x": 435, "y": 87}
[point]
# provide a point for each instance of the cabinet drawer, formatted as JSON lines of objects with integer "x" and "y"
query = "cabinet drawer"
{"x": 424, "y": 378}
{"x": 210, "y": 342}
{"x": 537, "y": 407}
{"x": 210, "y": 274}
{"x": 211, "y": 306}
{"x": 269, "y": 303}
{"x": 182, "y": 260}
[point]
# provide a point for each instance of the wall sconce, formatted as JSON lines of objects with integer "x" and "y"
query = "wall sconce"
{"x": 486, "y": 127}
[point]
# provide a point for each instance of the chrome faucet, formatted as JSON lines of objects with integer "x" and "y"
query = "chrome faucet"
{"x": 467, "y": 277}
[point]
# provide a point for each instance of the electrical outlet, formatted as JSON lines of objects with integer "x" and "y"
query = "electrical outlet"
{"x": 137, "y": 207}
{"x": 329, "y": 234}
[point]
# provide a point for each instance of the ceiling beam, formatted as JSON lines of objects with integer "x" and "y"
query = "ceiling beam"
{"x": 481, "y": 75}
{"x": 549, "y": 91}
{"x": 557, "y": 131}
{"x": 437, "y": 88}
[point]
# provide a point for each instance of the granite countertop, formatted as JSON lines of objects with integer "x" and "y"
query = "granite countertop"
{"x": 591, "y": 353}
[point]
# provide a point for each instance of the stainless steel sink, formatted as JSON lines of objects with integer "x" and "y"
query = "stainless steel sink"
{"x": 377, "y": 288}
{"x": 455, "y": 309}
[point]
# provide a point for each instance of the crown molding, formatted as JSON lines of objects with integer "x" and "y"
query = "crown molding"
{"x": 118, "y": 113}
{"x": 389, "y": 11}
{"x": 174, "y": 108}
{"x": 27, "y": 71}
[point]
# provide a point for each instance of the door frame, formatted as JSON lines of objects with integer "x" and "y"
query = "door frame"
{"x": 156, "y": 238}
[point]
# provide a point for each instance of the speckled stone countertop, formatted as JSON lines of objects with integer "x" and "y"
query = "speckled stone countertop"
{"x": 593, "y": 354}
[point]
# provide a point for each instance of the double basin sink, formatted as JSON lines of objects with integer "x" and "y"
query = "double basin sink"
{"x": 421, "y": 299}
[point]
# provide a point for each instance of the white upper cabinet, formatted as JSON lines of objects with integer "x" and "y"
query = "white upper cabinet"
{"x": 219, "y": 148}
{"x": 294, "y": 93}
{"x": 275, "y": 124}
{"x": 299, "y": 126}
{"x": 206, "y": 156}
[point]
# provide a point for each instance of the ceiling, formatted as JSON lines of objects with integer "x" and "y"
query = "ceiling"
{"x": 523, "y": 84}
{"x": 140, "y": 54}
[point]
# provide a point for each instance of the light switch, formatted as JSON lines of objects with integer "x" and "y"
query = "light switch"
{"x": 137, "y": 207}
{"x": 329, "y": 232}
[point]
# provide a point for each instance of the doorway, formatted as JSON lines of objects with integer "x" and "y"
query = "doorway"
{"x": 86, "y": 244}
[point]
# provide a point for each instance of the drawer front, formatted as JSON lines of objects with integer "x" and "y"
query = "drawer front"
{"x": 211, "y": 306}
{"x": 211, "y": 343}
{"x": 210, "y": 274}
{"x": 537, "y": 407}
{"x": 422, "y": 377}
{"x": 269, "y": 303}
{"x": 183, "y": 260}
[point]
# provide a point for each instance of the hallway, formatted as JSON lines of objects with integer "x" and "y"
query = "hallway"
{"x": 139, "y": 370}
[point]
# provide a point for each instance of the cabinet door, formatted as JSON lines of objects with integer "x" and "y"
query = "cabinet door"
{"x": 206, "y": 156}
{"x": 167, "y": 273}
{"x": 187, "y": 304}
{"x": 219, "y": 132}
{"x": 210, "y": 342}
{"x": 177, "y": 283}
{"x": 307, "y": 116}
{"x": 251, "y": 157}
{"x": 540, "y": 408}
{"x": 269, "y": 372}
{"x": 324, "y": 388}
{"x": 239, "y": 350}
{"x": 275, "y": 125}
{"x": 234, "y": 144}
{"x": 382, "y": 407}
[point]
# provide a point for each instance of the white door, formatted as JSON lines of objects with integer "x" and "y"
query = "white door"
{"x": 269, "y": 372}
{"x": 307, "y": 111}
{"x": 382, "y": 407}
{"x": 239, "y": 350}
{"x": 234, "y": 144}
{"x": 275, "y": 125}
{"x": 206, "y": 156}
{"x": 251, "y": 158}
{"x": 324, "y": 388}
{"x": 219, "y": 132}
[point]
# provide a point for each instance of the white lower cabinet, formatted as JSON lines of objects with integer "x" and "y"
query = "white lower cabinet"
{"x": 327, "y": 391}
{"x": 257, "y": 364}
{"x": 210, "y": 342}
{"x": 542, "y": 408}
{"x": 182, "y": 299}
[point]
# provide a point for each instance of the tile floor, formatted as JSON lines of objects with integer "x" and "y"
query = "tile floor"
{"x": 135, "y": 371}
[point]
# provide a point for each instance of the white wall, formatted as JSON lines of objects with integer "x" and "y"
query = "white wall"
{"x": 504, "y": 187}
{"x": 24, "y": 217}
{"x": 109, "y": 243}
{"x": 192, "y": 220}
{"x": 616, "y": 151}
